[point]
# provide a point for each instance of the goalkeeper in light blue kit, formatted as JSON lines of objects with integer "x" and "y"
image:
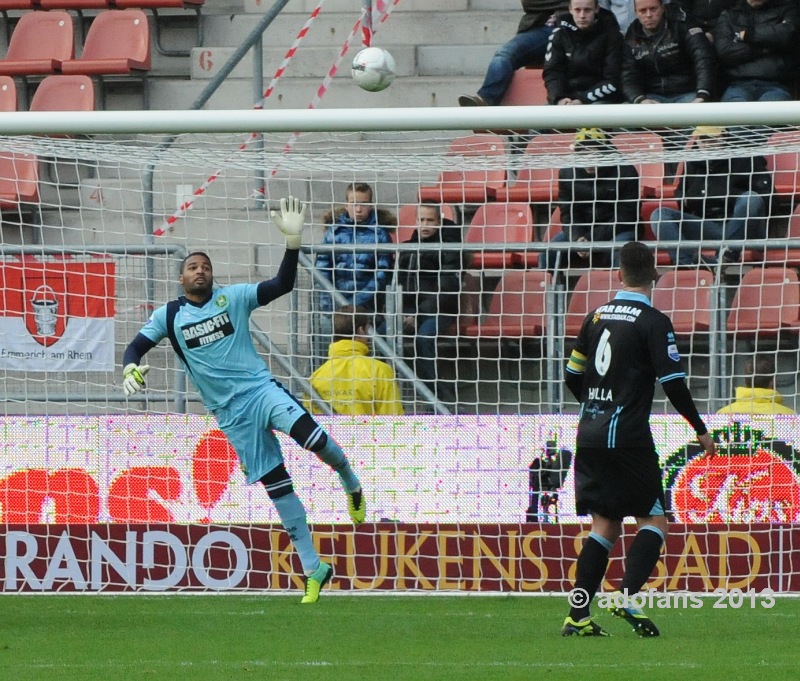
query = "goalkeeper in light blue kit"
{"x": 209, "y": 330}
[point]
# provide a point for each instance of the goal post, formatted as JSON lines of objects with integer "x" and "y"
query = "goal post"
{"x": 471, "y": 489}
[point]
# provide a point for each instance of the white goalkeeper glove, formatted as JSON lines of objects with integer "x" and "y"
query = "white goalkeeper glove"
{"x": 133, "y": 378}
{"x": 290, "y": 221}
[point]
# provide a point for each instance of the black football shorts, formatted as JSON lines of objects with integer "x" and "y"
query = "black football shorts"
{"x": 616, "y": 483}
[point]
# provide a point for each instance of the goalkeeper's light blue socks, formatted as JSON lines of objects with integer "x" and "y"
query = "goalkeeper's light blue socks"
{"x": 333, "y": 455}
{"x": 293, "y": 516}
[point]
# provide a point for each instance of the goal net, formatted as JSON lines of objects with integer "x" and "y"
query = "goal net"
{"x": 468, "y": 475}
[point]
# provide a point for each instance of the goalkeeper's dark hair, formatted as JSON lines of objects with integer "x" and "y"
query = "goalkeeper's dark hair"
{"x": 638, "y": 264}
{"x": 205, "y": 255}
{"x": 348, "y": 319}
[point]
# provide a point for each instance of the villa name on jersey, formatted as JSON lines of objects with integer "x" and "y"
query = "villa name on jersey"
{"x": 600, "y": 395}
{"x": 614, "y": 311}
{"x": 208, "y": 331}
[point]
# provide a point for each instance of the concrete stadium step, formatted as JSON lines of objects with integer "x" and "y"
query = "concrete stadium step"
{"x": 409, "y": 28}
{"x": 347, "y": 6}
{"x": 423, "y": 60}
{"x": 297, "y": 93}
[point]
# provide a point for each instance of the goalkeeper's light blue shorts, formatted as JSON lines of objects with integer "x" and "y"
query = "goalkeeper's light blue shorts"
{"x": 249, "y": 421}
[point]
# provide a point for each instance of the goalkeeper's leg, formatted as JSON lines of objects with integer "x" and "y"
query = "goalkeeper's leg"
{"x": 293, "y": 516}
{"x": 311, "y": 436}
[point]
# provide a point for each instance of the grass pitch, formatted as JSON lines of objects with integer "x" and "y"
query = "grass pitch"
{"x": 393, "y": 637}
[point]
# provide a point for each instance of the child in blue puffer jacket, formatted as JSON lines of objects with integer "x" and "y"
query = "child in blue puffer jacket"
{"x": 360, "y": 276}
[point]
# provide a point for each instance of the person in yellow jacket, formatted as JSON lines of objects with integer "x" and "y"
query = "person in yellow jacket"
{"x": 352, "y": 381}
{"x": 758, "y": 395}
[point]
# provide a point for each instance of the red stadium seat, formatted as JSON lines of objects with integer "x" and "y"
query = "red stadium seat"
{"x": 685, "y": 297}
{"x": 19, "y": 187}
{"x": 8, "y": 94}
{"x": 538, "y": 184}
{"x": 64, "y": 93}
{"x": 407, "y": 221}
{"x": 593, "y": 289}
{"x": 118, "y": 43}
{"x": 646, "y": 213}
{"x": 518, "y": 308}
{"x": 40, "y": 44}
{"x": 527, "y": 88}
{"x": 469, "y": 186}
{"x": 500, "y": 223}
{"x": 19, "y": 179}
{"x": 638, "y": 148}
{"x": 766, "y": 303}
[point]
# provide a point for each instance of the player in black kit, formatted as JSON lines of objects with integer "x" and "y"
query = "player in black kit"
{"x": 623, "y": 348}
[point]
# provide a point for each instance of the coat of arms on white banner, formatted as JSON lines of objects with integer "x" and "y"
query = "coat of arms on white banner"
{"x": 57, "y": 314}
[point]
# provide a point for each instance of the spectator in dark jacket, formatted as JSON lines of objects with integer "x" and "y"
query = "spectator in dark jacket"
{"x": 756, "y": 44}
{"x": 584, "y": 56}
{"x": 526, "y": 48}
{"x": 706, "y": 13}
{"x": 431, "y": 281}
{"x": 599, "y": 201}
{"x": 722, "y": 199}
{"x": 666, "y": 57}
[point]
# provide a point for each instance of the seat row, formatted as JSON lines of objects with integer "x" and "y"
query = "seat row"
{"x": 79, "y": 5}
{"x": 118, "y": 43}
{"x": 9, "y": 5}
{"x": 540, "y": 184}
{"x": 766, "y": 303}
{"x": 512, "y": 223}
{"x": 54, "y": 93}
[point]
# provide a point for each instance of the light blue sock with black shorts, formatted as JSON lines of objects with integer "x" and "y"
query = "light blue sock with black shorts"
{"x": 293, "y": 516}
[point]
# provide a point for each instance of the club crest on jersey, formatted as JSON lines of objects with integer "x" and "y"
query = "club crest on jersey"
{"x": 221, "y": 301}
{"x": 208, "y": 331}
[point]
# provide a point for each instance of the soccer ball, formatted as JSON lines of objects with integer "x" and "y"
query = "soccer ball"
{"x": 374, "y": 69}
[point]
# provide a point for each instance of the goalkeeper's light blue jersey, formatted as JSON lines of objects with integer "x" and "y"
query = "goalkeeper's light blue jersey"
{"x": 215, "y": 338}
